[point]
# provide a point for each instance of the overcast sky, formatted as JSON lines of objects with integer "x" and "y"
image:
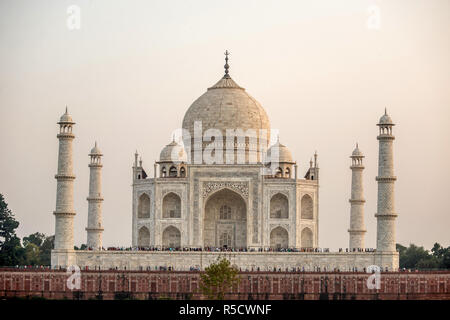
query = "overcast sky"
{"x": 323, "y": 70}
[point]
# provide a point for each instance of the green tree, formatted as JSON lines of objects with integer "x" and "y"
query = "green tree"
{"x": 8, "y": 224}
{"x": 437, "y": 250}
{"x": 37, "y": 249}
{"x": 83, "y": 246}
{"x": 36, "y": 238}
{"x": 11, "y": 251}
{"x": 410, "y": 257}
{"x": 415, "y": 257}
{"x": 428, "y": 263}
{"x": 46, "y": 250}
{"x": 218, "y": 279}
{"x": 445, "y": 262}
{"x": 32, "y": 254}
{"x": 442, "y": 255}
{"x": 401, "y": 249}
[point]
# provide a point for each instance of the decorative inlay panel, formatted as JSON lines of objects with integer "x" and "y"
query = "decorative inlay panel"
{"x": 239, "y": 187}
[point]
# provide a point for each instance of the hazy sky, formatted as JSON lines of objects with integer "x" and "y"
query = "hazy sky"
{"x": 322, "y": 70}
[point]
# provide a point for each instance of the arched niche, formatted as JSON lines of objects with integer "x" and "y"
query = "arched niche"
{"x": 279, "y": 238}
{"x": 225, "y": 220}
{"x": 171, "y": 237}
{"x": 307, "y": 209}
{"x": 144, "y": 206}
{"x": 279, "y": 207}
{"x": 171, "y": 206}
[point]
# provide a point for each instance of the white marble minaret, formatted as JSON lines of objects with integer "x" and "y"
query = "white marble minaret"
{"x": 357, "y": 229}
{"x": 94, "y": 227}
{"x": 64, "y": 213}
{"x": 386, "y": 214}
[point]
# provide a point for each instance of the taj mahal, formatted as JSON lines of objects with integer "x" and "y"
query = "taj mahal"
{"x": 222, "y": 189}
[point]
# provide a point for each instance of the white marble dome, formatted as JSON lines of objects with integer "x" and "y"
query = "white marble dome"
{"x": 95, "y": 150}
{"x": 284, "y": 154}
{"x": 385, "y": 119}
{"x": 357, "y": 152}
{"x": 226, "y": 105}
{"x": 173, "y": 152}
{"x": 66, "y": 118}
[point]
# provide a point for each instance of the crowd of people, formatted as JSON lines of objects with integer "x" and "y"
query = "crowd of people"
{"x": 29, "y": 267}
{"x": 218, "y": 249}
{"x": 357, "y": 250}
{"x": 225, "y": 249}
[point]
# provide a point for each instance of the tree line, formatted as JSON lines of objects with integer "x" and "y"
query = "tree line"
{"x": 35, "y": 249}
{"x": 415, "y": 257}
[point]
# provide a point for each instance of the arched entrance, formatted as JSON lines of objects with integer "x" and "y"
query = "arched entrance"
{"x": 143, "y": 237}
{"x": 225, "y": 220}
{"x": 279, "y": 238}
{"x": 171, "y": 238}
{"x": 307, "y": 238}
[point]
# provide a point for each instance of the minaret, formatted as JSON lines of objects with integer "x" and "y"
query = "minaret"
{"x": 385, "y": 206}
{"x": 313, "y": 171}
{"x": 138, "y": 172}
{"x": 64, "y": 213}
{"x": 357, "y": 229}
{"x": 316, "y": 168}
{"x": 94, "y": 227}
{"x": 135, "y": 166}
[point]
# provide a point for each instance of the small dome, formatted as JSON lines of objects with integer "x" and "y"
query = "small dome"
{"x": 66, "y": 118}
{"x": 173, "y": 152}
{"x": 284, "y": 154}
{"x": 357, "y": 152}
{"x": 385, "y": 119}
{"x": 95, "y": 150}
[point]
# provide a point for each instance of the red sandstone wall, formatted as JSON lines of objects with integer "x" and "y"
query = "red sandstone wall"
{"x": 51, "y": 284}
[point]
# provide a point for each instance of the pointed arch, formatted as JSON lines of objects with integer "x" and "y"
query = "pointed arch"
{"x": 171, "y": 205}
{"x": 173, "y": 172}
{"x": 307, "y": 238}
{"x": 307, "y": 209}
{"x": 279, "y": 238}
{"x": 171, "y": 237}
{"x": 279, "y": 206}
{"x": 225, "y": 220}
{"x": 144, "y": 237}
{"x": 287, "y": 173}
{"x": 279, "y": 172}
{"x": 144, "y": 206}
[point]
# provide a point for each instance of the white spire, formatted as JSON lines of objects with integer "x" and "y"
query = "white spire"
{"x": 357, "y": 228}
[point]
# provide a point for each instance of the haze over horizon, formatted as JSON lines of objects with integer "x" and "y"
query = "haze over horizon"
{"x": 323, "y": 75}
